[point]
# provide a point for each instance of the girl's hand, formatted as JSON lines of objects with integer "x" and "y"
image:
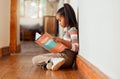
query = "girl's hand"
{"x": 57, "y": 39}
{"x": 66, "y": 43}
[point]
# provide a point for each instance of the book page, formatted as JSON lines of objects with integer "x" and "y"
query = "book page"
{"x": 37, "y": 35}
{"x": 47, "y": 42}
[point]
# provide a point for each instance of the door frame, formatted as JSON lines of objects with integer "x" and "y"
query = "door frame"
{"x": 13, "y": 26}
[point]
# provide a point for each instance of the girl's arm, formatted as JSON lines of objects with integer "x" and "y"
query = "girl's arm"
{"x": 73, "y": 44}
{"x": 74, "y": 39}
{"x": 66, "y": 43}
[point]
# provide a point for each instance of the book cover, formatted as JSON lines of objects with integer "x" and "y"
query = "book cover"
{"x": 47, "y": 42}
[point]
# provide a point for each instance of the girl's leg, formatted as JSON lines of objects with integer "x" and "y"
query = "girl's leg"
{"x": 44, "y": 58}
{"x": 65, "y": 59}
{"x": 69, "y": 57}
{"x": 55, "y": 63}
{"x": 36, "y": 60}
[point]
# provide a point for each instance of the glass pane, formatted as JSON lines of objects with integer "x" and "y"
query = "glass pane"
{"x": 31, "y": 9}
{"x": 21, "y": 7}
{"x": 42, "y": 8}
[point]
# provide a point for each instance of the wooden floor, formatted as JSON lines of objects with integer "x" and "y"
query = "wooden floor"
{"x": 19, "y": 66}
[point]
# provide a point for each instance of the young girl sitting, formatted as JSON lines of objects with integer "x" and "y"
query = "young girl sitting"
{"x": 67, "y": 19}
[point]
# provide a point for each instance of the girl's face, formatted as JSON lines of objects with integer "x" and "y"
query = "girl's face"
{"x": 61, "y": 20}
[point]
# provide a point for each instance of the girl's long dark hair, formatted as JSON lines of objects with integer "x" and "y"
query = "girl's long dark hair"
{"x": 69, "y": 14}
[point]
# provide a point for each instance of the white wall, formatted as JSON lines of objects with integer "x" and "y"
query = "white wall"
{"x": 74, "y": 4}
{"x": 100, "y": 34}
{"x": 4, "y": 23}
{"x": 60, "y": 4}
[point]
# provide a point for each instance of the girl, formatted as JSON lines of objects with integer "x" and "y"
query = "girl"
{"x": 67, "y": 19}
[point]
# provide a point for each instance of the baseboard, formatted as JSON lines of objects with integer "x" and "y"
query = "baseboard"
{"x": 90, "y": 71}
{"x": 6, "y": 50}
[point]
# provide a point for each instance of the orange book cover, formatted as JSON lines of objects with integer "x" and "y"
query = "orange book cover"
{"x": 47, "y": 42}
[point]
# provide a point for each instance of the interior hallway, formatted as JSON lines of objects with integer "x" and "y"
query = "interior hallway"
{"x": 19, "y": 66}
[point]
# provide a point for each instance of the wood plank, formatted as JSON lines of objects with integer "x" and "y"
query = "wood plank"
{"x": 45, "y": 74}
{"x": 56, "y": 74}
{"x": 72, "y": 74}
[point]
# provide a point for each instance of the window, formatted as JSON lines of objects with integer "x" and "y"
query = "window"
{"x": 32, "y": 8}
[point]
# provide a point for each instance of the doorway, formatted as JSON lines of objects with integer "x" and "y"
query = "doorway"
{"x": 27, "y": 32}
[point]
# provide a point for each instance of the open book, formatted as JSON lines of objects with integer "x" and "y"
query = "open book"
{"x": 47, "y": 42}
